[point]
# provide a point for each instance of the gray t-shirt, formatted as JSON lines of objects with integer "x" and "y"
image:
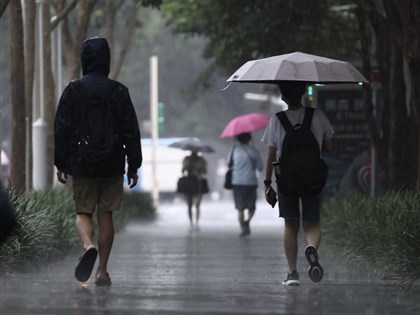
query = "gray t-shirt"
{"x": 274, "y": 132}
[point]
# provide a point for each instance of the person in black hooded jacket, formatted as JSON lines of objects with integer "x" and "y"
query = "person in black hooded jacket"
{"x": 97, "y": 185}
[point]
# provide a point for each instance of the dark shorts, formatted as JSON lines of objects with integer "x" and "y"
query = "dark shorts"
{"x": 289, "y": 207}
{"x": 103, "y": 194}
{"x": 245, "y": 197}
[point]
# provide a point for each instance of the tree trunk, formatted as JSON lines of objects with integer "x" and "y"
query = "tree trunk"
{"x": 3, "y": 6}
{"x": 49, "y": 94}
{"x": 400, "y": 173}
{"x": 17, "y": 82}
{"x": 383, "y": 58}
{"x": 112, "y": 10}
{"x": 409, "y": 12}
{"x": 414, "y": 66}
{"x": 71, "y": 53}
{"x": 29, "y": 43}
{"x": 128, "y": 40}
{"x": 369, "y": 107}
{"x": 84, "y": 12}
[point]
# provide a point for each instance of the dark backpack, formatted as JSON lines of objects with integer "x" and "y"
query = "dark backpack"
{"x": 96, "y": 127}
{"x": 302, "y": 170}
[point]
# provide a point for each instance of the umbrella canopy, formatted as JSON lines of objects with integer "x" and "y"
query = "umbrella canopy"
{"x": 192, "y": 144}
{"x": 245, "y": 123}
{"x": 297, "y": 66}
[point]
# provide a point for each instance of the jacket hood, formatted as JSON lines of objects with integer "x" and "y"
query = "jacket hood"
{"x": 95, "y": 56}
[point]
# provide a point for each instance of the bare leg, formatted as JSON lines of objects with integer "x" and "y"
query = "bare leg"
{"x": 291, "y": 229}
{"x": 251, "y": 213}
{"x": 312, "y": 233}
{"x": 241, "y": 217}
{"x": 246, "y": 225}
{"x": 189, "y": 199}
{"x": 84, "y": 225}
{"x": 197, "y": 206}
{"x": 105, "y": 241}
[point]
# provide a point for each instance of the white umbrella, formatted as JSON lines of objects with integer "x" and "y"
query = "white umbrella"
{"x": 297, "y": 66}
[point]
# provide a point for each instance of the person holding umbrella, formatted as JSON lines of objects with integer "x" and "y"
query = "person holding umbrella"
{"x": 194, "y": 166}
{"x": 245, "y": 160}
{"x": 291, "y": 72}
{"x": 289, "y": 197}
{"x": 193, "y": 184}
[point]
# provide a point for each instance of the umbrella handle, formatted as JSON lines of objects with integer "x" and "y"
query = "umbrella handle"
{"x": 226, "y": 87}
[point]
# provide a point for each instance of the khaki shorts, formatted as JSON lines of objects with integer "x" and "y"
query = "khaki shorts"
{"x": 104, "y": 194}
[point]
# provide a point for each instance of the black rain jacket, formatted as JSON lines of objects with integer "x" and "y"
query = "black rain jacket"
{"x": 95, "y": 58}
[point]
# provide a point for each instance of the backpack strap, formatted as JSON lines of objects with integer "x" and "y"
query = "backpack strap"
{"x": 307, "y": 120}
{"x": 230, "y": 165}
{"x": 284, "y": 121}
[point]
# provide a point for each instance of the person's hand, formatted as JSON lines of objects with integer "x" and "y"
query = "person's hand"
{"x": 271, "y": 196}
{"x": 62, "y": 177}
{"x": 132, "y": 179}
{"x": 266, "y": 190}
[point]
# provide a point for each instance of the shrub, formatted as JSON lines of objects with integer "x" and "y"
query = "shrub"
{"x": 383, "y": 232}
{"x": 136, "y": 206}
{"x": 46, "y": 226}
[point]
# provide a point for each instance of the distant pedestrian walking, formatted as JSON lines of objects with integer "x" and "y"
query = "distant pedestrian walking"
{"x": 194, "y": 167}
{"x": 95, "y": 130}
{"x": 245, "y": 161}
{"x": 295, "y": 140}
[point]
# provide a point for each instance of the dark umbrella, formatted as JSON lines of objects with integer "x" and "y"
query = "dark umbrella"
{"x": 192, "y": 144}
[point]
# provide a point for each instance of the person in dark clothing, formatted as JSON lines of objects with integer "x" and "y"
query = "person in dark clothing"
{"x": 97, "y": 183}
{"x": 7, "y": 215}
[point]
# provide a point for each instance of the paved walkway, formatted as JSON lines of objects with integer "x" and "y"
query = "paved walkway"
{"x": 168, "y": 268}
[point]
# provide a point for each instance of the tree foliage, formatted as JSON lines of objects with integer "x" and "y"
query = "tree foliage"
{"x": 248, "y": 29}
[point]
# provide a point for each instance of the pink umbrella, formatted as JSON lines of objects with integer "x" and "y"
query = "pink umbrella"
{"x": 245, "y": 123}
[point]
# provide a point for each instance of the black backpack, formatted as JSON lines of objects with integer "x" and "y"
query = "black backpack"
{"x": 95, "y": 124}
{"x": 302, "y": 170}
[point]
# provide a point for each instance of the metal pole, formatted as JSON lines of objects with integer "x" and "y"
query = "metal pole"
{"x": 41, "y": 57}
{"x": 59, "y": 63}
{"x": 154, "y": 125}
{"x": 1, "y": 135}
{"x": 57, "y": 69}
{"x": 27, "y": 148}
{"x": 39, "y": 127}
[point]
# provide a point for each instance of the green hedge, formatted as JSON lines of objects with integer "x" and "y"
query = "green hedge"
{"x": 46, "y": 226}
{"x": 382, "y": 232}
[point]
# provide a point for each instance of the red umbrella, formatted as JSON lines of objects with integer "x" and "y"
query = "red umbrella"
{"x": 245, "y": 123}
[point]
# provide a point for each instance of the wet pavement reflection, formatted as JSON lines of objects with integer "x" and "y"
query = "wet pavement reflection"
{"x": 168, "y": 268}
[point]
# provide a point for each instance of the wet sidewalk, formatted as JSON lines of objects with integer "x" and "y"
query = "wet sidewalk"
{"x": 168, "y": 268}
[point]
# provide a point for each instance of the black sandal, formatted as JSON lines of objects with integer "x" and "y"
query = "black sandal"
{"x": 103, "y": 282}
{"x": 85, "y": 266}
